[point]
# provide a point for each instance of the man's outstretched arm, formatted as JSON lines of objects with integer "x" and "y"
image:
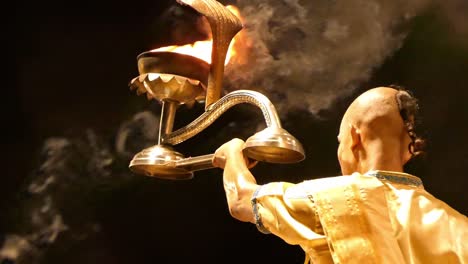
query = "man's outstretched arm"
{"x": 239, "y": 183}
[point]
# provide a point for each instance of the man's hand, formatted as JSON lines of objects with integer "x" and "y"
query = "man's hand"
{"x": 239, "y": 183}
{"x": 231, "y": 150}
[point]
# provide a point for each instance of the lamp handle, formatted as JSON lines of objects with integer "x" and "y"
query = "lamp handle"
{"x": 196, "y": 163}
{"x": 204, "y": 162}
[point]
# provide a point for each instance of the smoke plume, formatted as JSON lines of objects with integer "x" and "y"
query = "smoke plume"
{"x": 58, "y": 199}
{"x": 304, "y": 54}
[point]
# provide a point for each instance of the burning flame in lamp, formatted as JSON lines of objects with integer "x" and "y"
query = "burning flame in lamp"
{"x": 202, "y": 49}
{"x": 184, "y": 75}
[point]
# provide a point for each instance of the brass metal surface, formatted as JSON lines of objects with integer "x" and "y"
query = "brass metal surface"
{"x": 159, "y": 161}
{"x": 166, "y": 119}
{"x": 274, "y": 145}
{"x": 169, "y": 87}
{"x": 173, "y": 63}
{"x": 174, "y": 79}
{"x": 196, "y": 163}
{"x": 224, "y": 26}
{"x": 221, "y": 106}
{"x": 172, "y": 76}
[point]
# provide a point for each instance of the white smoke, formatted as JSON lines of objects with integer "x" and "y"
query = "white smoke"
{"x": 45, "y": 222}
{"x": 135, "y": 134}
{"x": 69, "y": 167}
{"x": 305, "y": 54}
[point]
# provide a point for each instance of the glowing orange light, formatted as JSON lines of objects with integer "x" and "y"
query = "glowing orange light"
{"x": 232, "y": 51}
{"x": 202, "y": 49}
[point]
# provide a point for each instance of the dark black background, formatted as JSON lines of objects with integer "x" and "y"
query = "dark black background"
{"x": 68, "y": 65}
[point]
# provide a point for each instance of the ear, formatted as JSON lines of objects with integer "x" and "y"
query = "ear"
{"x": 355, "y": 136}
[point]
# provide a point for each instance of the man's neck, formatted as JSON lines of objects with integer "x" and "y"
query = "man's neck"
{"x": 381, "y": 160}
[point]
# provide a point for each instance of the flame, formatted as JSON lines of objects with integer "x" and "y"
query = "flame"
{"x": 202, "y": 49}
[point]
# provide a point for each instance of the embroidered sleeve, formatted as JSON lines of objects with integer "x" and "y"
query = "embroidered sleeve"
{"x": 285, "y": 210}
{"x": 258, "y": 220}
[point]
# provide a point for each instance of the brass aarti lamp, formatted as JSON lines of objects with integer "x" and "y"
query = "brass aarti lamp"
{"x": 175, "y": 79}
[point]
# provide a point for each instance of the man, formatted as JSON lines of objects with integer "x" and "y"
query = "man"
{"x": 374, "y": 214}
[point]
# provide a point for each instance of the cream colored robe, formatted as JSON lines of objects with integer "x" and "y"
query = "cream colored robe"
{"x": 378, "y": 217}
